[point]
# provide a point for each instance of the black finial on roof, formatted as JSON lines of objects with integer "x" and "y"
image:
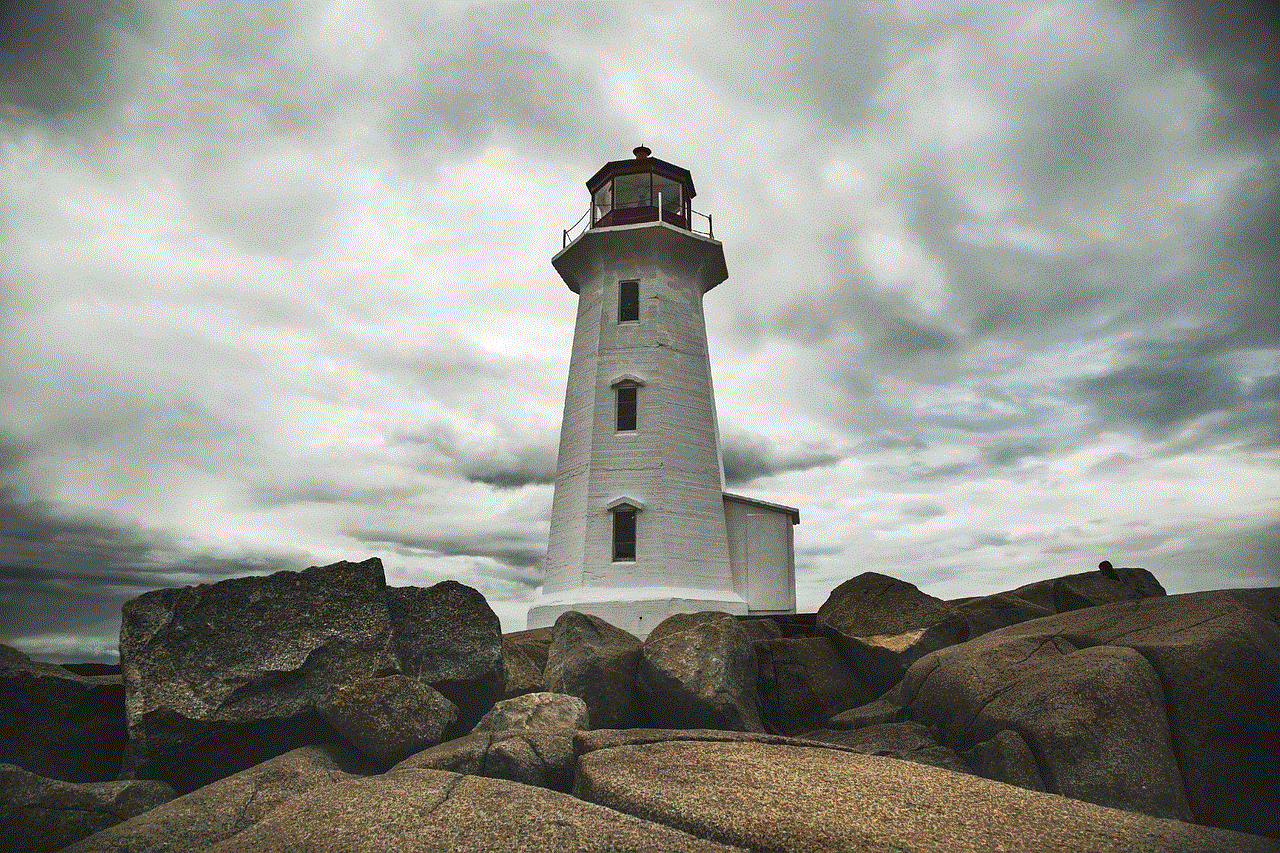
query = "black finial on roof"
{"x": 641, "y": 152}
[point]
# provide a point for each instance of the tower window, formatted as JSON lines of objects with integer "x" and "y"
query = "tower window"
{"x": 628, "y": 301}
{"x": 624, "y": 533}
{"x": 626, "y": 420}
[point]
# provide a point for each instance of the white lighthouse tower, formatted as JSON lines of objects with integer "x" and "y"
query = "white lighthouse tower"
{"x": 640, "y": 525}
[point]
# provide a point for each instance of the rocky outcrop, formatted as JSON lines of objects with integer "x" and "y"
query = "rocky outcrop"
{"x": 1162, "y": 704}
{"x": 448, "y": 636}
{"x": 793, "y": 799}
{"x": 908, "y": 740}
{"x": 882, "y": 625}
{"x": 803, "y": 681}
{"x": 39, "y": 815}
{"x": 699, "y": 670}
{"x": 1090, "y": 589}
{"x": 389, "y": 718}
{"x": 989, "y": 612}
{"x": 429, "y": 810}
{"x": 540, "y": 756}
{"x": 595, "y": 661}
{"x": 219, "y": 677}
{"x": 536, "y": 710}
{"x": 58, "y": 724}
{"x": 195, "y": 822}
{"x": 524, "y": 657}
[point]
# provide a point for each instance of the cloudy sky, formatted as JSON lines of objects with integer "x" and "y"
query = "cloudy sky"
{"x": 275, "y": 285}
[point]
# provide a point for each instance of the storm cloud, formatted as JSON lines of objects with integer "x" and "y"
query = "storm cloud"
{"x": 1004, "y": 293}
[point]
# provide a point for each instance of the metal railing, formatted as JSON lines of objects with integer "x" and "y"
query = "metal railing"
{"x": 587, "y": 220}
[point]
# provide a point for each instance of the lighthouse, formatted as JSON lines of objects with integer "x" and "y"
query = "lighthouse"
{"x": 641, "y": 526}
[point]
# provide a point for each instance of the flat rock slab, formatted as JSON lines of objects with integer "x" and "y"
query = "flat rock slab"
{"x": 195, "y": 821}
{"x": 785, "y": 798}
{"x": 425, "y": 811}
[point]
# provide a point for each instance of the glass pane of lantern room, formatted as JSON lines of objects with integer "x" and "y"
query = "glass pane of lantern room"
{"x": 670, "y": 191}
{"x": 603, "y": 201}
{"x": 631, "y": 190}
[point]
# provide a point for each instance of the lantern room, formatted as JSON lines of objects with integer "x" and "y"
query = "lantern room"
{"x": 644, "y": 189}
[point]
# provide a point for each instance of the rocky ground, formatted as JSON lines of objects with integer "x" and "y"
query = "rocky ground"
{"x": 322, "y": 710}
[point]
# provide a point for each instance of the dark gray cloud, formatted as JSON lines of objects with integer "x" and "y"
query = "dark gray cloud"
{"x": 278, "y": 274}
{"x": 1236, "y": 45}
{"x": 64, "y": 58}
{"x": 60, "y": 574}
{"x": 750, "y": 457}
{"x": 521, "y": 556}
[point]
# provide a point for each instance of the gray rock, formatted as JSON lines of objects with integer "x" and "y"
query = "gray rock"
{"x": 536, "y": 710}
{"x": 389, "y": 718}
{"x": 58, "y": 724}
{"x": 429, "y": 811}
{"x": 595, "y": 661}
{"x": 789, "y": 799}
{"x": 524, "y": 657}
{"x": 39, "y": 815}
{"x": 219, "y": 677}
{"x": 699, "y": 670}
{"x": 1135, "y": 704}
{"x": 195, "y": 822}
{"x": 539, "y": 756}
{"x": 882, "y": 625}
{"x": 448, "y": 636}
{"x": 804, "y": 681}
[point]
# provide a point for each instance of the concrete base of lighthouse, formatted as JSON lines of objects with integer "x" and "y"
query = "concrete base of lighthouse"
{"x": 633, "y": 609}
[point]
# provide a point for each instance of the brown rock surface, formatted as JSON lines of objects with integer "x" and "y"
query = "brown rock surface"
{"x": 195, "y": 821}
{"x": 595, "y": 661}
{"x": 426, "y": 811}
{"x": 785, "y": 798}
{"x": 1126, "y": 699}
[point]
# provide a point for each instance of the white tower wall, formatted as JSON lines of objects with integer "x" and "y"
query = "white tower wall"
{"x": 670, "y": 466}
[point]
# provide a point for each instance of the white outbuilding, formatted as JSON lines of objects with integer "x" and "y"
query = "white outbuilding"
{"x": 641, "y": 526}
